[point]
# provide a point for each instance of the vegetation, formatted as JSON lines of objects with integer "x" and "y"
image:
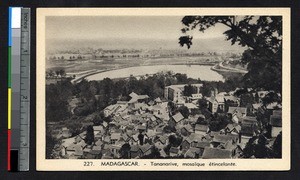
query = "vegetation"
{"x": 263, "y": 37}
{"x": 89, "y": 139}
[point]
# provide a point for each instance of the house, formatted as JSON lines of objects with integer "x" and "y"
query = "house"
{"x": 176, "y": 119}
{"x": 215, "y": 103}
{"x": 196, "y": 96}
{"x": 98, "y": 143}
{"x": 78, "y": 152}
{"x": 114, "y": 137}
{"x": 191, "y": 141}
{"x": 186, "y": 130}
{"x": 276, "y": 123}
{"x": 98, "y": 130}
{"x": 186, "y": 143}
{"x": 192, "y": 153}
{"x": 109, "y": 110}
{"x": 135, "y": 98}
{"x": 202, "y": 145}
{"x": 194, "y": 118}
{"x": 247, "y": 132}
{"x": 134, "y": 140}
{"x": 145, "y": 149}
{"x": 157, "y": 109}
{"x": 141, "y": 128}
{"x": 248, "y": 120}
{"x": 174, "y": 93}
{"x": 125, "y": 137}
{"x": 96, "y": 152}
{"x": 150, "y": 134}
{"x": 134, "y": 151}
{"x": 214, "y": 153}
{"x": 201, "y": 129}
{"x": 174, "y": 151}
{"x": 221, "y": 139}
{"x": 237, "y": 113}
{"x": 161, "y": 141}
{"x": 115, "y": 149}
{"x": 86, "y": 151}
{"x": 232, "y": 128}
{"x": 190, "y": 106}
{"x": 158, "y": 101}
{"x": 72, "y": 148}
{"x": 106, "y": 151}
{"x": 66, "y": 133}
{"x": 255, "y": 107}
{"x": 163, "y": 153}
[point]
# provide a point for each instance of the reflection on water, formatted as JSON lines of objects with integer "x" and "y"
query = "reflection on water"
{"x": 194, "y": 71}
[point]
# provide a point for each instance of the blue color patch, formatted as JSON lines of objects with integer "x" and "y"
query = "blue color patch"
{"x": 9, "y": 26}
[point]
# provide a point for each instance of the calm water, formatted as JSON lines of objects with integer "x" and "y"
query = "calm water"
{"x": 194, "y": 71}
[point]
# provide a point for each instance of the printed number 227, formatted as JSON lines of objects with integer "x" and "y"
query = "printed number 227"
{"x": 87, "y": 163}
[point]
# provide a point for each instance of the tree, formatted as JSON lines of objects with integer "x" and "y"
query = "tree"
{"x": 260, "y": 149}
{"x": 277, "y": 146}
{"x": 141, "y": 139}
{"x": 89, "y": 138}
{"x": 125, "y": 151}
{"x": 202, "y": 103}
{"x": 261, "y": 34}
{"x": 188, "y": 90}
{"x": 184, "y": 111}
{"x": 62, "y": 72}
{"x": 175, "y": 141}
{"x": 248, "y": 151}
{"x": 50, "y": 144}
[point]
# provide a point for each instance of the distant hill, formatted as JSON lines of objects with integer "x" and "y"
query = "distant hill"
{"x": 199, "y": 45}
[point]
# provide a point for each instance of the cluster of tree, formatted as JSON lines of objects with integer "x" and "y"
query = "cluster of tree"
{"x": 50, "y": 145}
{"x": 189, "y": 90}
{"x": 218, "y": 121}
{"x": 229, "y": 84}
{"x": 258, "y": 147}
{"x": 55, "y": 73}
{"x": 57, "y": 96}
{"x": 89, "y": 138}
{"x": 174, "y": 141}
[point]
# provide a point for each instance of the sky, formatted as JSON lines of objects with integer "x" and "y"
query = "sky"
{"x": 124, "y": 30}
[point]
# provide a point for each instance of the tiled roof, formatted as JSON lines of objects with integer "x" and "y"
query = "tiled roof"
{"x": 214, "y": 153}
{"x": 233, "y": 110}
{"x": 203, "y": 144}
{"x": 224, "y": 138}
{"x": 276, "y": 120}
{"x": 144, "y": 148}
{"x": 174, "y": 150}
{"x": 178, "y": 117}
{"x": 200, "y": 127}
{"x": 231, "y": 127}
{"x": 134, "y": 148}
{"x": 248, "y": 129}
{"x": 248, "y": 120}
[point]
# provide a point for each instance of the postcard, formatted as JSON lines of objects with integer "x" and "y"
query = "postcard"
{"x": 163, "y": 89}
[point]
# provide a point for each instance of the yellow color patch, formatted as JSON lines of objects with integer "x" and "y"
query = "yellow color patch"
{"x": 9, "y": 108}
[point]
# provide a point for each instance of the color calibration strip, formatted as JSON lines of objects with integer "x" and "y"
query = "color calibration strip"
{"x": 18, "y": 88}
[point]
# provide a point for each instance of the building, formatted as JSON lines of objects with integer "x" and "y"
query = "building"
{"x": 175, "y": 92}
{"x": 276, "y": 123}
{"x": 176, "y": 119}
{"x": 214, "y": 153}
{"x": 201, "y": 129}
{"x": 237, "y": 113}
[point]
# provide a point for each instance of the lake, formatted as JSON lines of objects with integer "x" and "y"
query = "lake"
{"x": 194, "y": 71}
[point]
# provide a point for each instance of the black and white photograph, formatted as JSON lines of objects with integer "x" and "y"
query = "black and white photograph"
{"x": 186, "y": 86}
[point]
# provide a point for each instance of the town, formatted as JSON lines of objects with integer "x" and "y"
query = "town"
{"x": 183, "y": 123}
